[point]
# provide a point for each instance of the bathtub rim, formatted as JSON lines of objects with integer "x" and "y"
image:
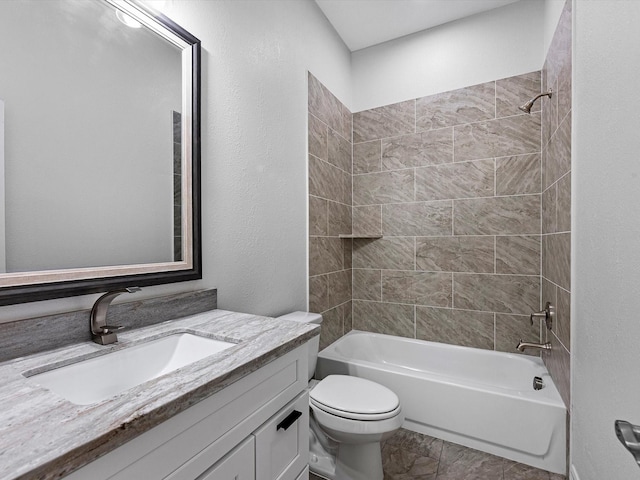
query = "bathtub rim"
{"x": 551, "y": 397}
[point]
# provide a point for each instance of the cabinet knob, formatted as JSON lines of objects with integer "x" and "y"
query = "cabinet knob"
{"x": 289, "y": 420}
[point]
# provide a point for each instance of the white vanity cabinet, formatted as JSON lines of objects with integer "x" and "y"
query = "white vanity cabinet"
{"x": 257, "y": 428}
{"x": 238, "y": 464}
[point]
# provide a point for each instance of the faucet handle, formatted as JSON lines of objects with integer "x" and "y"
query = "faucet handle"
{"x": 547, "y": 315}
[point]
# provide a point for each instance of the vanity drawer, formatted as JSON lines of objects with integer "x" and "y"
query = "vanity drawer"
{"x": 282, "y": 443}
{"x": 239, "y": 464}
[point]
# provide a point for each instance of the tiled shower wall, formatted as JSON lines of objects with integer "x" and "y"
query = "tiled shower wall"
{"x": 556, "y": 200}
{"x": 453, "y": 182}
{"x": 330, "y": 161}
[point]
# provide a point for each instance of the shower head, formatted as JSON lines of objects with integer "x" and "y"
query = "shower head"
{"x": 526, "y": 108}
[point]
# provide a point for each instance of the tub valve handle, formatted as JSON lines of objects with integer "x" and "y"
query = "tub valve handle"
{"x": 629, "y": 436}
{"x": 547, "y": 315}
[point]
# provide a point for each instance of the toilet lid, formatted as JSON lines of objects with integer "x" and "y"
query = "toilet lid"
{"x": 354, "y": 397}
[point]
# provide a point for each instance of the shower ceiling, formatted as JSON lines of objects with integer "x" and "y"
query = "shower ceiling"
{"x": 363, "y": 23}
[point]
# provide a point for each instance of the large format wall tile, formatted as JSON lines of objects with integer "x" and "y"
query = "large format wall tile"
{"x": 394, "y": 253}
{"x": 317, "y": 138}
{"x": 367, "y": 284}
{"x": 456, "y": 180}
{"x": 418, "y": 288}
{"x": 387, "y": 318}
{"x": 318, "y": 293}
{"x": 496, "y": 293}
{"x": 339, "y": 287}
{"x": 556, "y": 179}
{"x": 497, "y": 138}
{"x": 417, "y": 219}
{"x": 558, "y": 158}
{"x": 384, "y": 187}
{"x": 339, "y": 151}
{"x": 325, "y": 255}
{"x": 510, "y": 329}
{"x": 556, "y": 254}
{"x": 518, "y": 255}
{"x": 564, "y": 204}
{"x": 324, "y": 105}
{"x": 339, "y": 219}
{"x": 518, "y": 175}
{"x": 367, "y": 157}
{"x": 549, "y": 203}
{"x": 419, "y": 149}
{"x": 328, "y": 181}
{"x": 562, "y": 327}
{"x": 455, "y": 254}
{"x": 515, "y": 91}
{"x": 456, "y": 107}
{"x": 516, "y": 215}
{"x": 558, "y": 361}
{"x": 317, "y": 216}
{"x": 383, "y": 122}
{"x": 458, "y": 327}
{"x": 332, "y": 327}
{"x": 367, "y": 220}
{"x": 330, "y": 211}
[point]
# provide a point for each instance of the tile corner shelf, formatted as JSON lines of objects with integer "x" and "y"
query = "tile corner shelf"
{"x": 349, "y": 235}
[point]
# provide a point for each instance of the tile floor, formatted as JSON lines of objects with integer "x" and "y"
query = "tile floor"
{"x": 412, "y": 456}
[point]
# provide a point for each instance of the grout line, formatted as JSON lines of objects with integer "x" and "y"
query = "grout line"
{"x": 495, "y": 99}
{"x": 453, "y": 292}
{"x": 495, "y": 254}
{"x": 434, "y": 165}
{"x": 453, "y": 217}
{"x": 495, "y": 177}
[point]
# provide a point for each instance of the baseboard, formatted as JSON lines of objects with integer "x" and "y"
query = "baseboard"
{"x": 573, "y": 473}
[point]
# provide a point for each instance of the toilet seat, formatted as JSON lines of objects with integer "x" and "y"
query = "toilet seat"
{"x": 354, "y": 398}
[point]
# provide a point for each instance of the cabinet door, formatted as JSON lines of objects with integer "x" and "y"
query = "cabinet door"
{"x": 282, "y": 443}
{"x": 239, "y": 464}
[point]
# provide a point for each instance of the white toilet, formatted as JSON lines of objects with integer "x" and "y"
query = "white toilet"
{"x": 350, "y": 417}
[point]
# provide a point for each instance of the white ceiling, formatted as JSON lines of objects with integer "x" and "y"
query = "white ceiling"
{"x": 363, "y": 23}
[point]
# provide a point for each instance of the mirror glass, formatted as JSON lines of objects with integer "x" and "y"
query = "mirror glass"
{"x": 98, "y": 116}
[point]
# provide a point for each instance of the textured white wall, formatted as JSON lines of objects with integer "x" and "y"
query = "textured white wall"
{"x": 496, "y": 44}
{"x": 254, "y": 162}
{"x": 606, "y": 235}
{"x": 552, "y": 12}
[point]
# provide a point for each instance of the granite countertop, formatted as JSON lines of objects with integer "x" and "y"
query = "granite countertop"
{"x": 45, "y": 436}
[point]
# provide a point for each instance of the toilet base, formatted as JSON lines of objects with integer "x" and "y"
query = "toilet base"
{"x": 359, "y": 462}
{"x": 342, "y": 461}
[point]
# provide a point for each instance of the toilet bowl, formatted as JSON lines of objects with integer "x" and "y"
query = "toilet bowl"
{"x": 350, "y": 417}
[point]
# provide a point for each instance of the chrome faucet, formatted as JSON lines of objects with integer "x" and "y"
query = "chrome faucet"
{"x": 523, "y": 345}
{"x": 101, "y": 332}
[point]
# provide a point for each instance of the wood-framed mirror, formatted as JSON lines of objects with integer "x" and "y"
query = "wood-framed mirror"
{"x": 99, "y": 149}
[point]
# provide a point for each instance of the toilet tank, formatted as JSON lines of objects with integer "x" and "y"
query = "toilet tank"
{"x": 313, "y": 345}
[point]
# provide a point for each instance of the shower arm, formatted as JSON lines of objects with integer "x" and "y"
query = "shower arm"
{"x": 527, "y": 106}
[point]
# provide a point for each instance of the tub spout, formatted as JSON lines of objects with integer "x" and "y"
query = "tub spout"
{"x": 523, "y": 345}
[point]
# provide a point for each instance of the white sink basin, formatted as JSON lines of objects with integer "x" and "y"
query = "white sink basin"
{"x": 96, "y": 379}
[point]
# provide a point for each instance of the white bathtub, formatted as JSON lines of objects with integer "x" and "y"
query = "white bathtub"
{"x": 478, "y": 398}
